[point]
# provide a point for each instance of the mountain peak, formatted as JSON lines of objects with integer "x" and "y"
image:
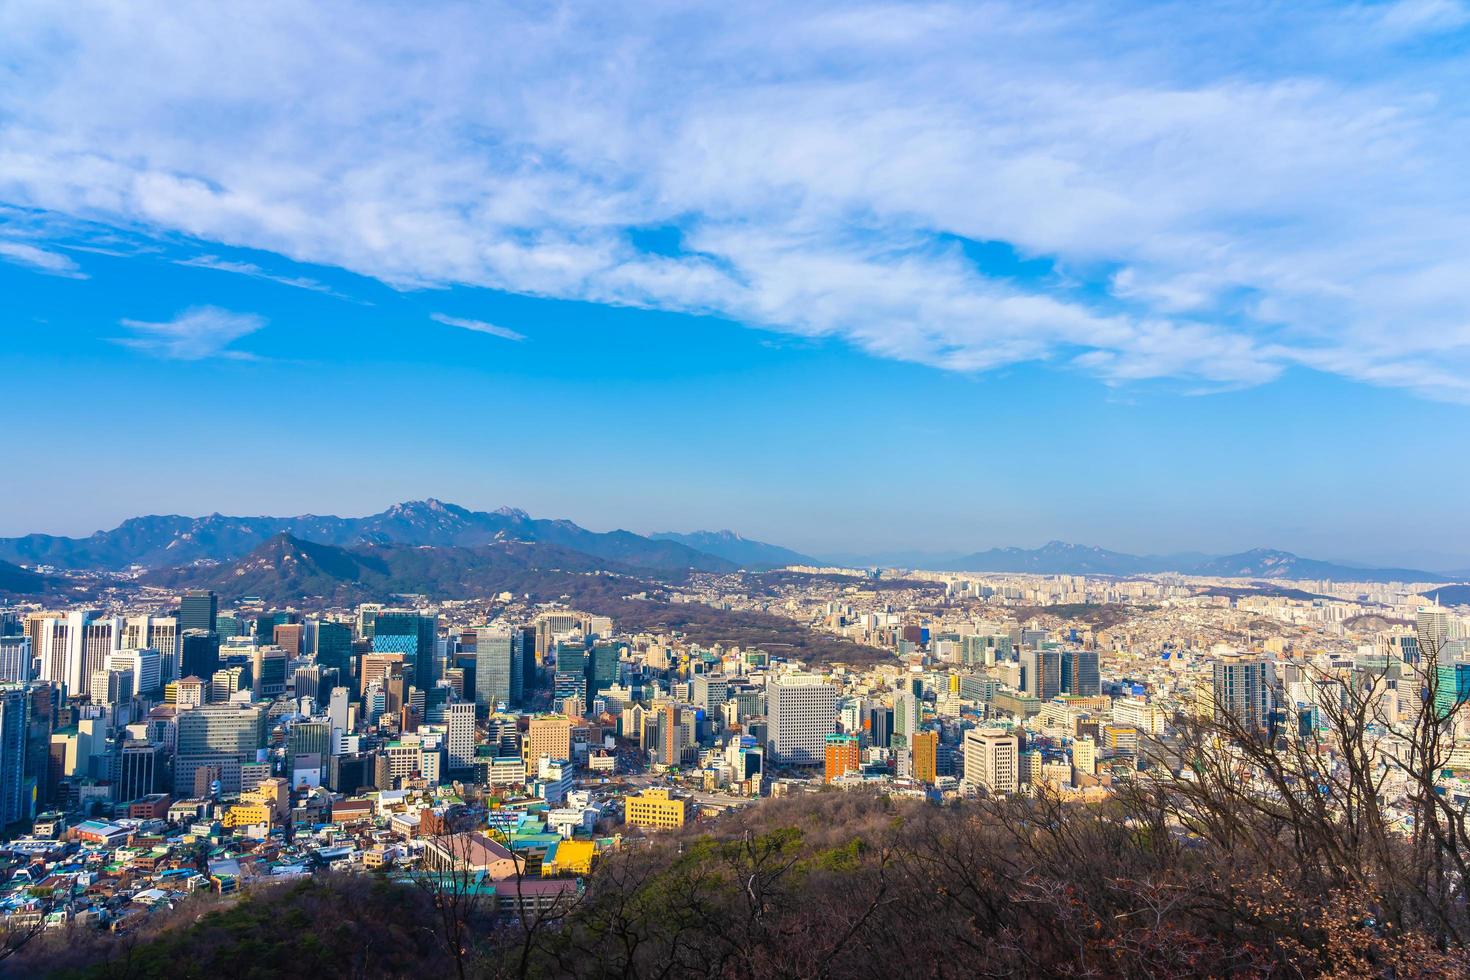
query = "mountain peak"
{"x": 515, "y": 513}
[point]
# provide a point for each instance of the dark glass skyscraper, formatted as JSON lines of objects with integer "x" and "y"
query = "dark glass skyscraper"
{"x": 412, "y": 635}
{"x": 199, "y": 610}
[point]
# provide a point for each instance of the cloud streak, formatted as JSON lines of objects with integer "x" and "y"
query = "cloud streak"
{"x": 1273, "y": 188}
{"x": 478, "y": 326}
{"x": 40, "y": 259}
{"x": 196, "y": 334}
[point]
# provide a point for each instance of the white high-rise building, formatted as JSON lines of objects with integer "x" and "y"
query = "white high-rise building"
{"x": 801, "y": 711}
{"x": 145, "y": 665}
{"x": 991, "y": 760}
{"x": 16, "y": 660}
{"x": 159, "y": 633}
{"x": 459, "y": 725}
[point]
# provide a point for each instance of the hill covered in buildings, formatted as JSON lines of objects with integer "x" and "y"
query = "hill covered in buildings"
{"x": 845, "y": 884}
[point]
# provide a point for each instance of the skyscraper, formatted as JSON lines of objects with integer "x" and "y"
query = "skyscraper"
{"x": 925, "y": 750}
{"x": 992, "y": 760}
{"x": 412, "y": 635}
{"x": 494, "y": 661}
{"x": 14, "y": 730}
{"x": 1242, "y": 690}
{"x": 1042, "y": 673}
{"x": 842, "y": 755}
{"x": 801, "y": 713}
{"x": 1080, "y": 674}
{"x": 459, "y": 724}
{"x": 198, "y": 610}
{"x": 334, "y": 645}
{"x": 16, "y": 661}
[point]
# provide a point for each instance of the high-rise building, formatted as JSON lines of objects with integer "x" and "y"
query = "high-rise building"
{"x": 801, "y": 711}
{"x": 145, "y": 666}
{"x": 523, "y": 664}
{"x": 843, "y": 755}
{"x": 155, "y": 633}
{"x": 1242, "y": 690}
{"x": 198, "y": 610}
{"x": 1080, "y": 675}
{"x": 548, "y": 736}
{"x": 992, "y": 757}
{"x": 570, "y": 677}
{"x": 15, "y": 800}
{"x": 459, "y": 738}
{"x": 289, "y": 637}
{"x": 602, "y": 667}
{"x": 16, "y": 660}
{"x": 925, "y": 749}
{"x": 412, "y": 635}
{"x": 268, "y": 673}
{"x": 334, "y": 645}
{"x": 494, "y": 659}
{"x": 880, "y": 725}
{"x": 218, "y": 735}
{"x": 1041, "y": 673}
{"x": 198, "y": 653}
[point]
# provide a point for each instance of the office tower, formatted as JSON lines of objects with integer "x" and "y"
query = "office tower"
{"x": 338, "y": 703}
{"x": 266, "y": 623}
{"x": 16, "y": 661}
{"x": 460, "y": 735}
{"x": 1433, "y": 628}
{"x": 228, "y": 626}
{"x": 925, "y": 752}
{"x": 602, "y": 668}
{"x": 549, "y": 624}
{"x": 111, "y": 687}
{"x": 570, "y": 677}
{"x": 493, "y": 662}
{"x": 225, "y": 682}
{"x": 141, "y": 766}
{"x": 413, "y": 636}
{"x": 842, "y": 755}
{"x": 288, "y": 636}
{"x": 155, "y": 633}
{"x": 268, "y": 673}
{"x": 198, "y": 653}
{"x": 801, "y": 710}
{"x": 992, "y": 760}
{"x": 146, "y": 667}
{"x": 709, "y": 691}
{"x": 880, "y": 725}
{"x": 14, "y": 733}
{"x": 306, "y": 682}
{"x": 906, "y": 713}
{"x": 198, "y": 611}
{"x": 334, "y": 646}
{"x": 1080, "y": 674}
{"x": 1242, "y": 690}
{"x": 309, "y": 737}
{"x": 1041, "y": 673}
{"x": 523, "y": 666}
{"x": 218, "y": 735}
{"x": 367, "y": 619}
{"x": 548, "y": 736}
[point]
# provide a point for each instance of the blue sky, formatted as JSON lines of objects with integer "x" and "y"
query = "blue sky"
{"x": 842, "y": 276}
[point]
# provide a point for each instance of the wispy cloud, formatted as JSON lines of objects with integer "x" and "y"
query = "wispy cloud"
{"x": 254, "y": 271}
{"x": 1272, "y": 186}
{"x": 479, "y": 326}
{"x": 197, "y": 333}
{"x": 40, "y": 259}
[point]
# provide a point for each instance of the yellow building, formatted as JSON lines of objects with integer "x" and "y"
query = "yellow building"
{"x": 926, "y": 756}
{"x": 246, "y": 815}
{"x": 655, "y": 809}
{"x": 572, "y": 857}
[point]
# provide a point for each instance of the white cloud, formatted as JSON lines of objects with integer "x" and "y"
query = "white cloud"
{"x": 479, "y": 326}
{"x": 40, "y": 259}
{"x": 1265, "y": 187}
{"x": 252, "y": 270}
{"x": 195, "y": 334}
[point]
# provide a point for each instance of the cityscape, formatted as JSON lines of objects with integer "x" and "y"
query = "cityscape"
{"x": 163, "y": 741}
{"x": 764, "y": 491}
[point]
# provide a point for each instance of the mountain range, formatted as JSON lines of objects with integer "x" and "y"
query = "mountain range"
{"x": 1060, "y": 558}
{"x": 161, "y": 542}
{"x": 170, "y": 541}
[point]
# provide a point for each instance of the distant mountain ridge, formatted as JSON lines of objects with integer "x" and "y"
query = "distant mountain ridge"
{"x": 168, "y": 541}
{"x": 747, "y": 553}
{"x": 1060, "y": 558}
